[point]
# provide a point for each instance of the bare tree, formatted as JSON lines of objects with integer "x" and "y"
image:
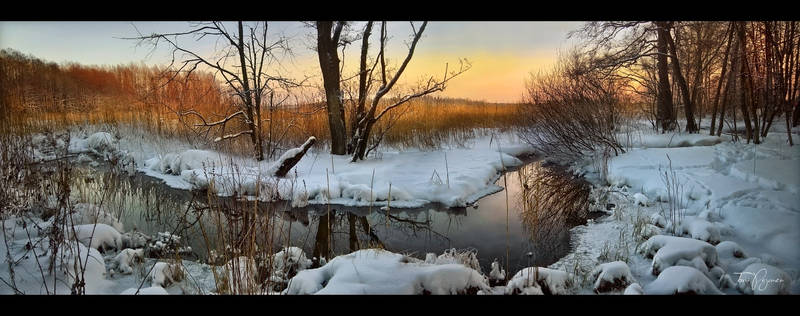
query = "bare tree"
{"x": 367, "y": 115}
{"x": 242, "y": 61}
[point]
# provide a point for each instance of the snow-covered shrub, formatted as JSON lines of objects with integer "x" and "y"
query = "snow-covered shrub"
{"x": 126, "y": 258}
{"x": 763, "y": 279}
{"x": 612, "y": 276}
{"x": 164, "y": 274}
{"x": 99, "y": 236}
{"x": 497, "y": 275}
{"x": 467, "y": 257}
{"x": 641, "y": 199}
{"x": 668, "y": 251}
{"x": 287, "y": 262}
{"x": 166, "y": 243}
{"x": 658, "y": 220}
{"x": 135, "y": 239}
{"x": 538, "y": 281}
{"x": 681, "y": 280}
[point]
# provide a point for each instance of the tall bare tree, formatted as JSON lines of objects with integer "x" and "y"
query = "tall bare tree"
{"x": 368, "y": 109}
{"x": 243, "y": 62}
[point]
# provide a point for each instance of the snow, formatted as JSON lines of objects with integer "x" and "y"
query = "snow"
{"x": 641, "y": 199}
{"x": 739, "y": 196}
{"x": 163, "y": 274}
{"x": 375, "y": 271}
{"x": 153, "y": 290}
{"x": 612, "y": 276}
{"x": 320, "y": 178}
{"x": 701, "y": 229}
{"x": 287, "y": 262}
{"x": 763, "y": 279}
{"x": 539, "y": 281}
{"x": 634, "y": 289}
{"x": 681, "y": 280}
{"x": 497, "y": 274}
{"x": 667, "y": 251}
{"x": 126, "y": 258}
{"x": 97, "y": 236}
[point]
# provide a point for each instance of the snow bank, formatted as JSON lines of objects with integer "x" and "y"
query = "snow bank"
{"x": 375, "y": 271}
{"x": 681, "y": 280}
{"x": 671, "y": 140}
{"x": 539, "y": 281}
{"x": 453, "y": 177}
{"x": 612, "y": 276}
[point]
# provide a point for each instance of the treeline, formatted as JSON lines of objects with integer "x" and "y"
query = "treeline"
{"x": 678, "y": 73}
{"x": 31, "y": 85}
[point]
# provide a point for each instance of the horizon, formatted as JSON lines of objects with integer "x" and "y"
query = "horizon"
{"x": 502, "y": 54}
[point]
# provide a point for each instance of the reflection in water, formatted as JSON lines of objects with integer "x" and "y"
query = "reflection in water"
{"x": 544, "y": 203}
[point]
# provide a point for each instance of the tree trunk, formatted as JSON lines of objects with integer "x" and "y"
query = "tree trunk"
{"x": 688, "y": 106}
{"x": 666, "y": 116}
{"x": 327, "y": 45}
{"x": 743, "y": 87}
{"x": 253, "y": 115}
{"x": 719, "y": 85}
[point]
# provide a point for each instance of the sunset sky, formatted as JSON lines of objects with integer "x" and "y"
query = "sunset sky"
{"x": 502, "y": 53}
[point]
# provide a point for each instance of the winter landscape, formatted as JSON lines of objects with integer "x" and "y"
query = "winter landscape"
{"x": 331, "y": 157}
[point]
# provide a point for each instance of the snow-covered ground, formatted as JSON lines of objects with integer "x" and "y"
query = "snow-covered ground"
{"x": 453, "y": 177}
{"x": 728, "y": 224}
{"x": 740, "y": 197}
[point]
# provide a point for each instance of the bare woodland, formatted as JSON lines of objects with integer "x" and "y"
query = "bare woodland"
{"x": 733, "y": 71}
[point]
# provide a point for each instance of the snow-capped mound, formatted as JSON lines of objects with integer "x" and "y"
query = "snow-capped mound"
{"x": 763, "y": 279}
{"x": 375, "y": 271}
{"x": 634, "y": 289}
{"x": 681, "y": 280}
{"x": 612, "y": 276}
{"x": 539, "y": 281}
{"x": 98, "y": 236}
{"x": 127, "y": 258}
{"x": 164, "y": 274}
{"x": 668, "y": 251}
{"x": 701, "y": 229}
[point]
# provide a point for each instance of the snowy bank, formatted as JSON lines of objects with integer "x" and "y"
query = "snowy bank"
{"x": 410, "y": 178}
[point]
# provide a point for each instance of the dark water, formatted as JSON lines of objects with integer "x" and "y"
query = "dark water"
{"x": 543, "y": 203}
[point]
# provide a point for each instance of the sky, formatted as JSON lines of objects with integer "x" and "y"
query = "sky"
{"x": 502, "y": 54}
